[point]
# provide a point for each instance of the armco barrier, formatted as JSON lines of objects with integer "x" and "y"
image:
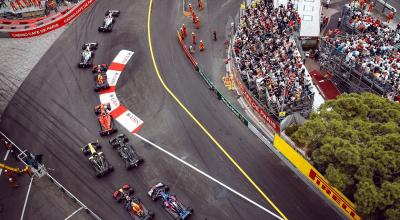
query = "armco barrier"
{"x": 188, "y": 54}
{"x": 211, "y": 85}
{"x": 59, "y": 22}
{"x": 54, "y": 181}
{"x": 316, "y": 178}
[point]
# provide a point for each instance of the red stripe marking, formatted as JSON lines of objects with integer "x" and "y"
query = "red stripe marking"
{"x": 116, "y": 66}
{"x": 118, "y": 111}
{"x": 109, "y": 90}
{"x": 137, "y": 129}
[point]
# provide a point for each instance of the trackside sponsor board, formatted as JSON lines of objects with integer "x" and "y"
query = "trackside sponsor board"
{"x": 316, "y": 178}
{"x": 130, "y": 121}
{"x": 110, "y": 98}
{"x": 256, "y": 107}
{"x": 123, "y": 57}
{"x": 54, "y": 25}
{"x": 112, "y": 77}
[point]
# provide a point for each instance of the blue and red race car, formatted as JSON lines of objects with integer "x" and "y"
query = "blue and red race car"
{"x": 176, "y": 209}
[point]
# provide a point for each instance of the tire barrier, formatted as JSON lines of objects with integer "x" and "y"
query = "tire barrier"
{"x": 119, "y": 112}
{"x": 40, "y": 28}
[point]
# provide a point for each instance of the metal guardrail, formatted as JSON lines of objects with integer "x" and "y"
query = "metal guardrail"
{"x": 42, "y": 171}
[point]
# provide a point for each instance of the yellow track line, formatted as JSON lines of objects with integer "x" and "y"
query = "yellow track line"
{"x": 197, "y": 121}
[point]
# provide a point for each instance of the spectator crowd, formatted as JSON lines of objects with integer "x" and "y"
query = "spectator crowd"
{"x": 374, "y": 51}
{"x": 20, "y": 4}
{"x": 268, "y": 59}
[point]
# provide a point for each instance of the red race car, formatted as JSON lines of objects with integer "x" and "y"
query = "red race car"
{"x": 132, "y": 204}
{"x": 106, "y": 121}
{"x": 100, "y": 68}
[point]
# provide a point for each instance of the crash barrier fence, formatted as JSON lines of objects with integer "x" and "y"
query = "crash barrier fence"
{"x": 187, "y": 52}
{"x": 210, "y": 85}
{"x": 42, "y": 172}
{"x": 316, "y": 178}
{"x": 45, "y": 28}
{"x": 72, "y": 197}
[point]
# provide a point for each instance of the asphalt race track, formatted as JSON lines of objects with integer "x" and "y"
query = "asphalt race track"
{"x": 52, "y": 114}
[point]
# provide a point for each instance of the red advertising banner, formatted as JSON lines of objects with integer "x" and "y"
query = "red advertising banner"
{"x": 255, "y": 105}
{"x": 71, "y": 15}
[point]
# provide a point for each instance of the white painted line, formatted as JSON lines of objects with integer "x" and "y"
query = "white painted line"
{"x": 8, "y": 152}
{"x": 74, "y": 213}
{"x": 208, "y": 176}
{"x": 26, "y": 199}
{"x": 5, "y": 158}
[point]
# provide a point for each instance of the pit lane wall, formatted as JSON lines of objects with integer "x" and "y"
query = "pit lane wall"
{"x": 316, "y": 178}
{"x": 61, "y": 21}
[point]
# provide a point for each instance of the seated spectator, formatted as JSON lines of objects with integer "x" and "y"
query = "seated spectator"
{"x": 268, "y": 59}
{"x": 376, "y": 54}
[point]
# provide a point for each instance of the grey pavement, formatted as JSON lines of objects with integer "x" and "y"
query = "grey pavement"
{"x": 17, "y": 58}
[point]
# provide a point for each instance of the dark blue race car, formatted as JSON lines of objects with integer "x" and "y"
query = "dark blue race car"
{"x": 176, "y": 209}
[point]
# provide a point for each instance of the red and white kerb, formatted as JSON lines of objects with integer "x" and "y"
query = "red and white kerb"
{"x": 119, "y": 112}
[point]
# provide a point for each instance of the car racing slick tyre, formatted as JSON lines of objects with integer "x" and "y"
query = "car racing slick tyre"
{"x": 118, "y": 199}
{"x": 190, "y": 209}
{"x": 166, "y": 188}
{"x": 97, "y": 146}
{"x": 110, "y": 169}
{"x": 85, "y": 151}
{"x": 151, "y": 213}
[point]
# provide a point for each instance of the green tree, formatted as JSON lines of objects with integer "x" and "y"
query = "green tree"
{"x": 354, "y": 141}
{"x": 368, "y": 197}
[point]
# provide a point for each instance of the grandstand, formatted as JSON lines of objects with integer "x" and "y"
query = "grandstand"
{"x": 14, "y": 9}
{"x": 367, "y": 59}
{"x": 269, "y": 62}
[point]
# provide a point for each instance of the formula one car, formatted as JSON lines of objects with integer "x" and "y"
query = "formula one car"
{"x": 97, "y": 159}
{"x": 126, "y": 151}
{"x": 91, "y": 46}
{"x": 176, "y": 209}
{"x": 114, "y": 13}
{"x": 101, "y": 81}
{"x": 108, "y": 24}
{"x": 132, "y": 203}
{"x": 87, "y": 55}
{"x": 100, "y": 68}
{"x": 105, "y": 120}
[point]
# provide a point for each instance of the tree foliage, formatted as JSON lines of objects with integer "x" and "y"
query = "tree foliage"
{"x": 355, "y": 143}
